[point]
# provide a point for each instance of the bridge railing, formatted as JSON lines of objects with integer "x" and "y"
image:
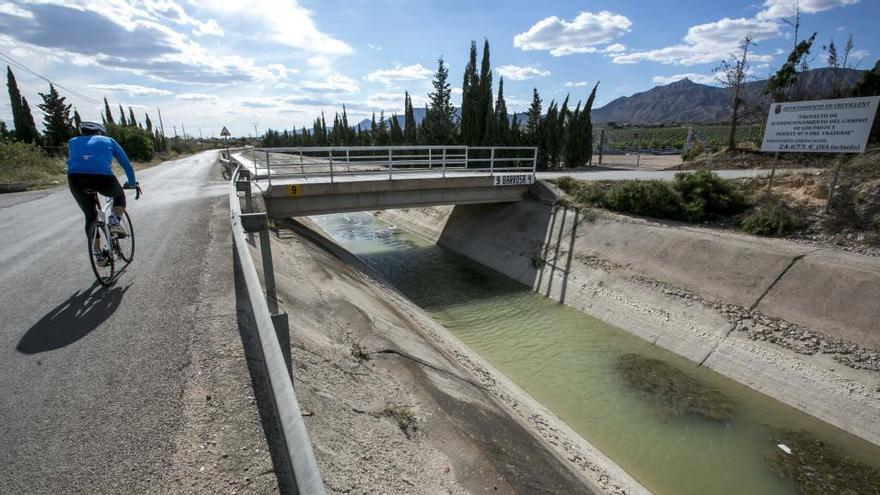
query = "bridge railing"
{"x": 334, "y": 161}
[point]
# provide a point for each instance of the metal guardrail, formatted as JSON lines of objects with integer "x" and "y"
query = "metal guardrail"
{"x": 297, "y": 447}
{"x": 334, "y": 161}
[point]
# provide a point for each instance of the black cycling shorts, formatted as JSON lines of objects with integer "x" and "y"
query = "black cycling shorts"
{"x": 84, "y": 186}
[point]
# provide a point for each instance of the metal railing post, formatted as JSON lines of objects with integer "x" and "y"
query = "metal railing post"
{"x": 331, "y": 166}
{"x": 430, "y": 158}
{"x": 390, "y": 165}
{"x": 347, "y": 160}
{"x": 444, "y": 163}
{"x": 268, "y": 170}
{"x": 302, "y": 165}
{"x": 534, "y": 162}
{"x": 492, "y": 163}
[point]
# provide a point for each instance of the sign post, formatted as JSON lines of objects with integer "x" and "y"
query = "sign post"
{"x": 822, "y": 126}
{"x": 225, "y": 135}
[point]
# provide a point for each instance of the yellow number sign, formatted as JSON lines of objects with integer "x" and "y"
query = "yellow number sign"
{"x": 293, "y": 189}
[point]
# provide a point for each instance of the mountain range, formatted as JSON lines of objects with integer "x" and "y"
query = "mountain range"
{"x": 687, "y": 102}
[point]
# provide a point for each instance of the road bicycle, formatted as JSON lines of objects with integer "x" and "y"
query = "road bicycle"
{"x": 104, "y": 248}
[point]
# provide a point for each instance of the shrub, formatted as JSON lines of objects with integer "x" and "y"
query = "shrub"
{"x": 568, "y": 184}
{"x": 648, "y": 198}
{"x": 706, "y": 196}
{"x": 694, "y": 151}
{"x": 25, "y": 162}
{"x": 772, "y": 217}
{"x": 136, "y": 142}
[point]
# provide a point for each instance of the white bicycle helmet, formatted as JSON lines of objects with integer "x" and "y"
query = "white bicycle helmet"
{"x": 92, "y": 128}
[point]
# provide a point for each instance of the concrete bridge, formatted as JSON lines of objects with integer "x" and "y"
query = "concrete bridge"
{"x": 312, "y": 181}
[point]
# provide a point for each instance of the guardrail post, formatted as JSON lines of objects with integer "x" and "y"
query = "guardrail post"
{"x": 430, "y": 158}
{"x": 268, "y": 170}
{"x": 347, "y": 161}
{"x": 302, "y": 166}
{"x": 390, "y": 165}
{"x": 259, "y": 222}
{"x": 444, "y": 163}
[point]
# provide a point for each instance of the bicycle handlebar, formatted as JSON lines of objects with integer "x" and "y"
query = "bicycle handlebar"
{"x": 137, "y": 188}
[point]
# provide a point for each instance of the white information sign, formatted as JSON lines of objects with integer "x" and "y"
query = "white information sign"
{"x": 513, "y": 179}
{"x": 822, "y": 126}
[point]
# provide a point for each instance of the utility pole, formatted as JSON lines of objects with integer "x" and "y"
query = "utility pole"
{"x": 200, "y": 134}
{"x": 161, "y": 127}
{"x": 256, "y": 133}
{"x": 184, "y": 130}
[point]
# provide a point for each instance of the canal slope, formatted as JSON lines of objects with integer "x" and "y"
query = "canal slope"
{"x": 393, "y": 401}
{"x": 789, "y": 321}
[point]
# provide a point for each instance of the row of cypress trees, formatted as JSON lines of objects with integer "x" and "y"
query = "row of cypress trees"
{"x": 563, "y": 136}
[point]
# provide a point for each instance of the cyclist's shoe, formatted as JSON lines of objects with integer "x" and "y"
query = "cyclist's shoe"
{"x": 101, "y": 259}
{"x": 117, "y": 231}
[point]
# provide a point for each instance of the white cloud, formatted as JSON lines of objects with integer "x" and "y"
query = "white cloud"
{"x": 708, "y": 43}
{"x": 374, "y": 47}
{"x": 775, "y": 9}
{"x": 399, "y": 73}
{"x": 287, "y": 22}
{"x": 697, "y": 78}
{"x": 258, "y": 102}
{"x": 615, "y": 48}
{"x": 332, "y": 84}
{"x": 15, "y": 11}
{"x": 130, "y": 89}
{"x": 579, "y": 84}
{"x": 195, "y": 97}
{"x": 580, "y": 35}
{"x": 518, "y": 73}
{"x": 859, "y": 54}
{"x": 391, "y": 102}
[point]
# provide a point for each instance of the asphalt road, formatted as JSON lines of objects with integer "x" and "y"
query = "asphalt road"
{"x": 90, "y": 378}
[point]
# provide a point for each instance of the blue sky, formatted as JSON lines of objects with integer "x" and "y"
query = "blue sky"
{"x": 210, "y": 63}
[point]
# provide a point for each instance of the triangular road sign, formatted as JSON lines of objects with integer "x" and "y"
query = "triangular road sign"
{"x": 225, "y": 132}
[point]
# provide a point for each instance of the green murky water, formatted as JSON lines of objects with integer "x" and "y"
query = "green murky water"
{"x": 676, "y": 428}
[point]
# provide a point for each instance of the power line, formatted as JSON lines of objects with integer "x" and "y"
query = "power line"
{"x": 20, "y": 65}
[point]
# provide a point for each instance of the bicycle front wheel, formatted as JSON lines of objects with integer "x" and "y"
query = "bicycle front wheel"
{"x": 100, "y": 254}
{"x": 125, "y": 245}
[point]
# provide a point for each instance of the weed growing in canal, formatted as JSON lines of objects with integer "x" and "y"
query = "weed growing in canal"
{"x": 673, "y": 391}
{"x": 404, "y": 417}
{"x": 817, "y": 468}
{"x": 538, "y": 262}
{"x": 359, "y": 353}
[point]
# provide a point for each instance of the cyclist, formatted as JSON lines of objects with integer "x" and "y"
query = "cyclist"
{"x": 89, "y": 172}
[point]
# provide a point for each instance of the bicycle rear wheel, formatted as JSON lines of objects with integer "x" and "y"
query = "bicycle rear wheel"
{"x": 99, "y": 243}
{"x": 125, "y": 245}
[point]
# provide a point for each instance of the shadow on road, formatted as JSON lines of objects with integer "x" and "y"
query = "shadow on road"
{"x": 72, "y": 320}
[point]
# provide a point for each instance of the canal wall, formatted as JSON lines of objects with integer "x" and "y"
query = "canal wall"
{"x": 791, "y": 321}
{"x": 392, "y": 399}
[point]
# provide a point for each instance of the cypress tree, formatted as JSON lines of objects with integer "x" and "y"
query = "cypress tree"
{"x": 148, "y": 123}
{"x": 374, "y": 130}
{"x": 409, "y": 120}
{"x": 396, "y": 132}
{"x": 485, "y": 115}
{"x": 131, "y": 120}
{"x": 33, "y": 136}
{"x": 439, "y": 113}
{"x": 56, "y": 117}
{"x": 534, "y": 119}
{"x": 382, "y": 139}
{"x": 470, "y": 124}
{"x": 502, "y": 125}
{"x": 587, "y": 125}
{"x": 108, "y": 115}
{"x": 122, "y": 120}
{"x": 77, "y": 120}
{"x": 25, "y": 129}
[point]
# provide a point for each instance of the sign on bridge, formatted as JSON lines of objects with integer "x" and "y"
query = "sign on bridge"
{"x": 225, "y": 132}
{"x": 823, "y": 126}
{"x": 513, "y": 179}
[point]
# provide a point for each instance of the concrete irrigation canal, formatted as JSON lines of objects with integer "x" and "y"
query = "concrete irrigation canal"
{"x": 676, "y": 427}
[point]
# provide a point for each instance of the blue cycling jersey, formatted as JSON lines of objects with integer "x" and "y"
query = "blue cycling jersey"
{"x": 94, "y": 155}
